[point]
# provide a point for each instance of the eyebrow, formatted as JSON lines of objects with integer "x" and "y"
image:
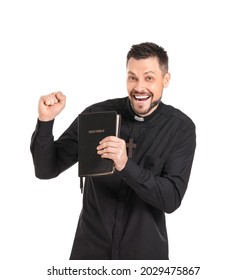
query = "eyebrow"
{"x": 149, "y": 72}
{"x": 145, "y": 73}
{"x": 130, "y": 72}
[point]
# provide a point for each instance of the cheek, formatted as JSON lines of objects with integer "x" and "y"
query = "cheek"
{"x": 154, "y": 88}
{"x": 157, "y": 90}
{"x": 129, "y": 87}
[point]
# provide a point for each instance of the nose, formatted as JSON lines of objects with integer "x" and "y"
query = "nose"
{"x": 140, "y": 86}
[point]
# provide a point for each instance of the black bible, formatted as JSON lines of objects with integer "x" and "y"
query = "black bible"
{"x": 93, "y": 127}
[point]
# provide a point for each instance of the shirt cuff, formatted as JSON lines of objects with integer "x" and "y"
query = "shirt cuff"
{"x": 131, "y": 171}
{"x": 44, "y": 129}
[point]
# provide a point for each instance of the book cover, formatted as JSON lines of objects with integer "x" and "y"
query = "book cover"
{"x": 93, "y": 127}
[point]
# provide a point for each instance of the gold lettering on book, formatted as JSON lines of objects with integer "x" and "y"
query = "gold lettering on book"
{"x": 96, "y": 131}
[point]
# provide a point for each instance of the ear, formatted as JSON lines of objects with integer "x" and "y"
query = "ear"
{"x": 166, "y": 80}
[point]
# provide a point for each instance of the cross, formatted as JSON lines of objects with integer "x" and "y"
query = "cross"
{"x": 130, "y": 145}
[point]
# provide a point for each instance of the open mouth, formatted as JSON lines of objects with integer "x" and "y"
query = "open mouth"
{"x": 141, "y": 97}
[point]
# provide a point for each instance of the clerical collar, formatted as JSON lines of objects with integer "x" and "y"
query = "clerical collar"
{"x": 139, "y": 119}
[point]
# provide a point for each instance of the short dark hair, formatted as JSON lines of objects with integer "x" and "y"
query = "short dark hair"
{"x": 148, "y": 49}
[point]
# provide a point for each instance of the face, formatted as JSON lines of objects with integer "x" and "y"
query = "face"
{"x": 145, "y": 84}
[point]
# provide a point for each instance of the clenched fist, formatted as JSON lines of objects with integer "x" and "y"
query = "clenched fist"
{"x": 51, "y": 105}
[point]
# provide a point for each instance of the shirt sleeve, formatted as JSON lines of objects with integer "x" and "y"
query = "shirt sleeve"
{"x": 165, "y": 192}
{"x": 51, "y": 157}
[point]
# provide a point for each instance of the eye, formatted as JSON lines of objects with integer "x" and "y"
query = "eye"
{"x": 132, "y": 78}
{"x": 149, "y": 78}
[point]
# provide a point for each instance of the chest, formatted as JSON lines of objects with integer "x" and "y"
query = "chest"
{"x": 149, "y": 145}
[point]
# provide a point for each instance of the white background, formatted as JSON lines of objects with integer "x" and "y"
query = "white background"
{"x": 80, "y": 47}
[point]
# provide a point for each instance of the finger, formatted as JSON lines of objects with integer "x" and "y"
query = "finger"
{"x": 108, "y": 150}
{"x": 45, "y": 100}
{"x": 50, "y": 99}
{"x": 108, "y": 155}
{"x": 60, "y": 97}
{"x": 107, "y": 145}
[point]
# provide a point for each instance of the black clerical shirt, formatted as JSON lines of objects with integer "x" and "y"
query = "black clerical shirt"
{"x": 123, "y": 214}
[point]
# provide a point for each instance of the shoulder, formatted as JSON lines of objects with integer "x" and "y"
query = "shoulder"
{"x": 176, "y": 115}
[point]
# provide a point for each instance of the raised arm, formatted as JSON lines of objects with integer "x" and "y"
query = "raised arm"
{"x": 51, "y": 157}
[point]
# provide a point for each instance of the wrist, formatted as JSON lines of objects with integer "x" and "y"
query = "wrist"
{"x": 121, "y": 166}
{"x": 45, "y": 119}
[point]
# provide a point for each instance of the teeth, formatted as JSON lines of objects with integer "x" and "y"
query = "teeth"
{"x": 141, "y": 97}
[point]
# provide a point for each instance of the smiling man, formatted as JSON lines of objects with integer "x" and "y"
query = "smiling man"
{"x": 145, "y": 82}
{"x": 123, "y": 214}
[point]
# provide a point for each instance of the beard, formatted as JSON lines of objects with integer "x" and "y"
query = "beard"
{"x": 140, "y": 110}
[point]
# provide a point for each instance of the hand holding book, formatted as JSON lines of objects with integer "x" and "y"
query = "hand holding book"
{"x": 100, "y": 149}
{"x": 113, "y": 148}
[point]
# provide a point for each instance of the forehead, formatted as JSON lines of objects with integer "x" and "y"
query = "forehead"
{"x": 142, "y": 66}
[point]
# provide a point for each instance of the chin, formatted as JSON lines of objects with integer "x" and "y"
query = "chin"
{"x": 146, "y": 110}
{"x": 142, "y": 112}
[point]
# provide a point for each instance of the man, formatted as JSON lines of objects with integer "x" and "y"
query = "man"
{"x": 123, "y": 215}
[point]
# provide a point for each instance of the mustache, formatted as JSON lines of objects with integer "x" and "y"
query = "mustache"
{"x": 141, "y": 92}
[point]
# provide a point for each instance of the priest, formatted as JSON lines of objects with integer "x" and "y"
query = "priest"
{"x": 123, "y": 216}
